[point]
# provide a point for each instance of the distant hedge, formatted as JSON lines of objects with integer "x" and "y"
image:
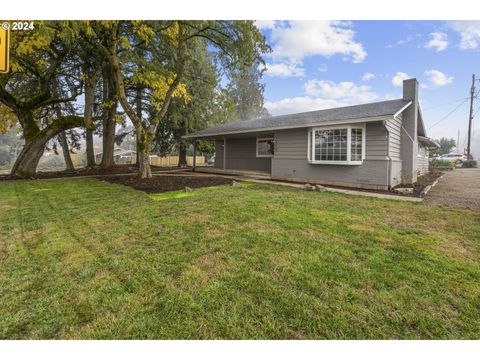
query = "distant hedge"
{"x": 469, "y": 164}
{"x": 435, "y": 164}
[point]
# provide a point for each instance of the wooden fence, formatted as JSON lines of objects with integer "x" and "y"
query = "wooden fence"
{"x": 162, "y": 161}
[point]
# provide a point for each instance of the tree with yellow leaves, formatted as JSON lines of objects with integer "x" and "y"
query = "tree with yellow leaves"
{"x": 166, "y": 49}
{"x": 144, "y": 62}
{"x": 40, "y": 60}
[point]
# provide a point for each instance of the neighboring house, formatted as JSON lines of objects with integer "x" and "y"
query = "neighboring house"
{"x": 376, "y": 146}
{"x": 118, "y": 155}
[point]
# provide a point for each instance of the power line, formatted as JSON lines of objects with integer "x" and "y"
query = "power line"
{"x": 447, "y": 103}
{"x": 476, "y": 111}
{"x": 450, "y": 113}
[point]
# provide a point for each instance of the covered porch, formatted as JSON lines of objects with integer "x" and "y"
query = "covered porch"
{"x": 238, "y": 154}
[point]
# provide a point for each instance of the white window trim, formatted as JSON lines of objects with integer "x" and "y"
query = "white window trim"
{"x": 311, "y": 144}
{"x": 259, "y": 138}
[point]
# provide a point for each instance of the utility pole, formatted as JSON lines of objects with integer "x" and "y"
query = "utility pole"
{"x": 458, "y": 141}
{"x": 470, "y": 117}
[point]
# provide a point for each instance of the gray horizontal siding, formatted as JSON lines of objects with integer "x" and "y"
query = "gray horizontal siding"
{"x": 396, "y": 172}
{"x": 293, "y": 144}
{"x": 372, "y": 173}
{"x": 241, "y": 155}
{"x": 376, "y": 142}
{"x": 394, "y": 127}
{"x": 422, "y": 161}
{"x": 291, "y": 160}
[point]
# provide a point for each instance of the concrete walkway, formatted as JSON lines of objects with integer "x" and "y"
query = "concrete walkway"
{"x": 458, "y": 188}
{"x": 301, "y": 186}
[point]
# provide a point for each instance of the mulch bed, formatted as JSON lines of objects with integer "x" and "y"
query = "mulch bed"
{"x": 424, "y": 180}
{"x": 164, "y": 183}
{"x": 111, "y": 170}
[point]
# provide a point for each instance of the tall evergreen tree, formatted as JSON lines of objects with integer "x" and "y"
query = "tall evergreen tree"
{"x": 208, "y": 104}
{"x": 246, "y": 91}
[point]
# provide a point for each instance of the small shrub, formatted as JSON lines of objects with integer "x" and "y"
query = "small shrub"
{"x": 438, "y": 164}
{"x": 469, "y": 164}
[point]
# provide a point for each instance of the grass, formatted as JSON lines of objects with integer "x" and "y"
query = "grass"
{"x": 85, "y": 259}
{"x": 172, "y": 195}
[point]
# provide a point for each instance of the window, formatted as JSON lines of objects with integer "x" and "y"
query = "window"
{"x": 422, "y": 151}
{"x": 265, "y": 147}
{"x": 343, "y": 145}
{"x": 331, "y": 145}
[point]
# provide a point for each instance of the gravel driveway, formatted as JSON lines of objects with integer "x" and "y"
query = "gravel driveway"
{"x": 458, "y": 188}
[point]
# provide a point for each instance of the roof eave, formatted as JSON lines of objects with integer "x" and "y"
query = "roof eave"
{"x": 324, "y": 123}
{"x": 402, "y": 109}
{"x": 429, "y": 142}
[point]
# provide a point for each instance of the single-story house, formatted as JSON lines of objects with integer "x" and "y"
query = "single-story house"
{"x": 376, "y": 146}
{"x": 119, "y": 155}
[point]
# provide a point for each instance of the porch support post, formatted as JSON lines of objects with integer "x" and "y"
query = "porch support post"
{"x": 224, "y": 153}
{"x": 194, "y": 153}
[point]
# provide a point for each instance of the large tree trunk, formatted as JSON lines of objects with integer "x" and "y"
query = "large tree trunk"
{"x": 93, "y": 75}
{"x": 182, "y": 146}
{"x": 62, "y": 138}
{"x": 143, "y": 146}
{"x": 35, "y": 141}
{"x": 88, "y": 118}
{"x": 27, "y": 161}
{"x": 90, "y": 151}
{"x": 143, "y": 141}
{"x": 144, "y": 164}
{"x": 182, "y": 154}
{"x": 108, "y": 139}
{"x": 139, "y": 111}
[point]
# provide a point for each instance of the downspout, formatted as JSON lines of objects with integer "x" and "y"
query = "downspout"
{"x": 389, "y": 167}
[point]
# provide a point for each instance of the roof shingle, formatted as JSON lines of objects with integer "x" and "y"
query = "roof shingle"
{"x": 305, "y": 119}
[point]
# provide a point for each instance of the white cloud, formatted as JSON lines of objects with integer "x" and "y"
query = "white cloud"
{"x": 299, "y": 39}
{"x": 323, "y": 68}
{"x": 322, "y": 94}
{"x": 401, "y": 42}
{"x": 284, "y": 69}
{"x": 469, "y": 33}
{"x": 265, "y": 24}
{"x": 390, "y": 96}
{"x": 437, "y": 78}
{"x": 293, "y": 41}
{"x": 438, "y": 42}
{"x": 368, "y": 76}
{"x": 397, "y": 80}
{"x": 300, "y": 104}
{"x": 345, "y": 90}
{"x": 412, "y": 38}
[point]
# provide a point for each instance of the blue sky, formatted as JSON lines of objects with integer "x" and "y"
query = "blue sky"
{"x": 321, "y": 64}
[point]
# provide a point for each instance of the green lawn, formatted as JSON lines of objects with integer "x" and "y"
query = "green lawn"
{"x": 88, "y": 259}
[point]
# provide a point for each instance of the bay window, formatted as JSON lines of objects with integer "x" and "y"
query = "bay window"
{"x": 337, "y": 145}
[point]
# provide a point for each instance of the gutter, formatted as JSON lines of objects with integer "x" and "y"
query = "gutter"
{"x": 325, "y": 123}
